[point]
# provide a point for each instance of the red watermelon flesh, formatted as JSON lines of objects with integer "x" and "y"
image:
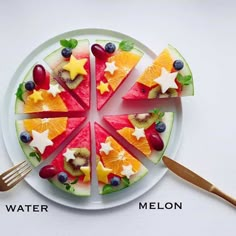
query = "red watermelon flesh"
{"x": 118, "y": 122}
{"x": 101, "y": 134}
{"x": 138, "y": 91}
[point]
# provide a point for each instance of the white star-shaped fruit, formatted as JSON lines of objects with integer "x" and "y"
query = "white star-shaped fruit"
{"x": 106, "y": 148}
{"x": 40, "y": 140}
{"x": 69, "y": 154}
{"x": 127, "y": 171}
{"x": 166, "y": 80}
{"x": 110, "y": 67}
{"x": 54, "y": 89}
{"x": 139, "y": 133}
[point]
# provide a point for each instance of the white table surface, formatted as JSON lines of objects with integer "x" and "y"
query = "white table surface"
{"x": 205, "y": 32}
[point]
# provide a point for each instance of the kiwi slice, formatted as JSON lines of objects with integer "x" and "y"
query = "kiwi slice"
{"x": 154, "y": 92}
{"x": 64, "y": 75}
{"x": 81, "y": 159}
{"x": 144, "y": 120}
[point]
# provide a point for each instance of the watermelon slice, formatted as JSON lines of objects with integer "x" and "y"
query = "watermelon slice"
{"x": 55, "y": 99}
{"x": 45, "y": 135}
{"x": 116, "y": 167}
{"x": 138, "y": 130}
{"x": 77, "y": 167}
{"x": 107, "y": 82}
{"x": 163, "y": 78}
{"x": 79, "y": 86}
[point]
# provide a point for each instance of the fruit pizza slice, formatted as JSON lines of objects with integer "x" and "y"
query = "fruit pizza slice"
{"x": 40, "y": 93}
{"x": 114, "y": 62}
{"x": 148, "y": 132}
{"x": 70, "y": 170}
{"x": 71, "y": 67}
{"x": 116, "y": 167}
{"x": 168, "y": 76}
{"x": 41, "y": 137}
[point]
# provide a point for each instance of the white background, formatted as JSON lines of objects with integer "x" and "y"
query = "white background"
{"x": 205, "y": 32}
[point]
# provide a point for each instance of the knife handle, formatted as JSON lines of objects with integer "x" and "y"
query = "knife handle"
{"x": 223, "y": 195}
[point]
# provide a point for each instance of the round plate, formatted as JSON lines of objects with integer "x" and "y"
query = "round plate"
{"x": 116, "y": 105}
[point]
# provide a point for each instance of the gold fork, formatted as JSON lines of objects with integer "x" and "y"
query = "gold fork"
{"x": 14, "y": 175}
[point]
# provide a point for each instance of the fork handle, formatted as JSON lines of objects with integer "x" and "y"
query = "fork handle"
{"x": 223, "y": 195}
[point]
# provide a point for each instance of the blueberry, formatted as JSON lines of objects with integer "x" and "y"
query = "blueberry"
{"x": 160, "y": 127}
{"x": 178, "y": 64}
{"x": 25, "y": 137}
{"x": 30, "y": 85}
{"x": 110, "y": 47}
{"x": 62, "y": 177}
{"x": 66, "y": 52}
{"x": 115, "y": 181}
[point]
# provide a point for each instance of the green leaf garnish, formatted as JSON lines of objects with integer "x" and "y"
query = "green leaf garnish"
{"x": 72, "y": 43}
{"x": 20, "y": 91}
{"x": 75, "y": 181}
{"x": 125, "y": 181}
{"x": 126, "y": 45}
{"x": 36, "y": 155}
{"x": 184, "y": 80}
{"x": 107, "y": 189}
{"x": 68, "y": 186}
{"x": 159, "y": 114}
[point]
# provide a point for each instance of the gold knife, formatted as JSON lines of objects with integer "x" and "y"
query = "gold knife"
{"x": 195, "y": 179}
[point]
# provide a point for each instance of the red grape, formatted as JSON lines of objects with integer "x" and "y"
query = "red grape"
{"x": 40, "y": 77}
{"x": 47, "y": 172}
{"x": 156, "y": 142}
{"x": 99, "y": 52}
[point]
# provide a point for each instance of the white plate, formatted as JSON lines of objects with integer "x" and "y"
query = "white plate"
{"x": 96, "y": 201}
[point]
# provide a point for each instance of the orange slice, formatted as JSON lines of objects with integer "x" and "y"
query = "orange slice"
{"x": 141, "y": 144}
{"x": 125, "y": 62}
{"x": 55, "y": 126}
{"x": 48, "y": 103}
{"x": 154, "y": 71}
{"x": 119, "y": 157}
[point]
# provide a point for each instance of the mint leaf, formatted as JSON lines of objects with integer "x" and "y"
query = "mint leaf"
{"x": 75, "y": 181}
{"x": 65, "y": 43}
{"x": 20, "y": 91}
{"x": 125, "y": 181}
{"x": 68, "y": 186}
{"x": 36, "y": 155}
{"x": 107, "y": 189}
{"x": 159, "y": 114}
{"x": 184, "y": 80}
{"x": 126, "y": 45}
{"x": 73, "y": 43}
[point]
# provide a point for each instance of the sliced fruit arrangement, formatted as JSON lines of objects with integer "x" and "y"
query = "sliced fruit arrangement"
{"x": 40, "y": 93}
{"x": 114, "y": 62}
{"x": 116, "y": 167}
{"x": 168, "y": 76}
{"x": 71, "y": 66}
{"x": 70, "y": 170}
{"x": 41, "y": 137}
{"x": 147, "y": 132}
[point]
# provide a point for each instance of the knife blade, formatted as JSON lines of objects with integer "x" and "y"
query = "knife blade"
{"x": 195, "y": 179}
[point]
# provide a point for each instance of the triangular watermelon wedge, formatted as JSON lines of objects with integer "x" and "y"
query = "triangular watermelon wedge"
{"x": 45, "y": 135}
{"x": 116, "y": 168}
{"x": 139, "y": 129}
{"x": 125, "y": 61}
{"x": 79, "y": 86}
{"x": 77, "y": 167}
{"x": 53, "y": 100}
{"x": 153, "y": 81}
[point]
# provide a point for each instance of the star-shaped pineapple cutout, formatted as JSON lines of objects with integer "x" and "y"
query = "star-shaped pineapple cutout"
{"x": 40, "y": 140}
{"x": 36, "y": 96}
{"x": 139, "y": 133}
{"x": 103, "y": 87}
{"x": 166, "y": 80}
{"x": 86, "y": 171}
{"x": 111, "y": 67}
{"x": 102, "y": 172}
{"x": 106, "y": 148}
{"x": 127, "y": 171}
{"x": 75, "y": 67}
{"x": 54, "y": 89}
{"x": 69, "y": 154}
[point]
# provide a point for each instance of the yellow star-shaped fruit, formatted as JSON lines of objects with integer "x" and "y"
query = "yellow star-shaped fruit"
{"x": 86, "y": 171}
{"x": 102, "y": 172}
{"x": 103, "y": 87}
{"x": 75, "y": 67}
{"x": 36, "y": 96}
